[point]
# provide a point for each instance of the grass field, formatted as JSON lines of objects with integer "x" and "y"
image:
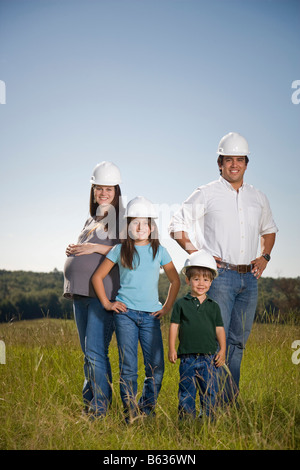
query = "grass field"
{"x": 41, "y": 408}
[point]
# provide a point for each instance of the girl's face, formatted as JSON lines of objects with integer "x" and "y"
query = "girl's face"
{"x": 139, "y": 229}
{"x": 104, "y": 195}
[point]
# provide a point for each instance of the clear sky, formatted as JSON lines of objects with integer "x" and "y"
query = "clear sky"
{"x": 151, "y": 85}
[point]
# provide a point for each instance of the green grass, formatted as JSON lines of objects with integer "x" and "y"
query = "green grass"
{"x": 40, "y": 397}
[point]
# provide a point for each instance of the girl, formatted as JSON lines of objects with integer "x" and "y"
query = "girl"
{"x": 137, "y": 310}
{"x": 94, "y": 323}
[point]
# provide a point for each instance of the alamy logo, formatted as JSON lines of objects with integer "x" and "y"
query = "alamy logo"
{"x": 2, "y": 353}
{"x": 2, "y": 92}
{"x": 296, "y": 95}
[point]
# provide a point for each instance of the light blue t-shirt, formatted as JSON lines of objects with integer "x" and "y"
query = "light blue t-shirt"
{"x": 139, "y": 286}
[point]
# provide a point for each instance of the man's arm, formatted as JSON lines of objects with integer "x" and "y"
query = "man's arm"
{"x": 183, "y": 240}
{"x": 260, "y": 263}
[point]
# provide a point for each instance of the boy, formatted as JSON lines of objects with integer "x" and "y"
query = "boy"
{"x": 198, "y": 319}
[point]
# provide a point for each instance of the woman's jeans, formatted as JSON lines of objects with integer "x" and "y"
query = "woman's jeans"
{"x": 131, "y": 327}
{"x": 236, "y": 295}
{"x": 95, "y": 328}
{"x": 197, "y": 372}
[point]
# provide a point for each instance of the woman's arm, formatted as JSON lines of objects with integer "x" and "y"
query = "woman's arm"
{"x": 97, "y": 281}
{"x": 87, "y": 249}
{"x": 173, "y": 277}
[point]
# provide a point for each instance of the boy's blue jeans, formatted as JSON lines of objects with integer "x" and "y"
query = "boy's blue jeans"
{"x": 95, "y": 328}
{"x": 132, "y": 327}
{"x": 197, "y": 372}
{"x": 236, "y": 295}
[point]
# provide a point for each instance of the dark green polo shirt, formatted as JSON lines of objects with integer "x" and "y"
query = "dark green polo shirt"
{"x": 197, "y": 324}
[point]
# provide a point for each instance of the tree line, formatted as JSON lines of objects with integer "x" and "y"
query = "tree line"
{"x": 26, "y": 295}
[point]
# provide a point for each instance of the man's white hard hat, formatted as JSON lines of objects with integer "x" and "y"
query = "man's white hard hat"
{"x": 233, "y": 144}
{"x": 106, "y": 174}
{"x": 140, "y": 207}
{"x": 201, "y": 259}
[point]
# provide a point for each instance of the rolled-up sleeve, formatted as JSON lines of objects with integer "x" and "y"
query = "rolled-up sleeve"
{"x": 191, "y": 210}
{"x": 267, "y": 223}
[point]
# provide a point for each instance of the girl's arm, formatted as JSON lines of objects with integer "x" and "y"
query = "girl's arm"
{"x": 87, "y": 249}
{"x": 173, "y": 277}
{"x": 221, "y": 354}
{"x": 97, "y": 281}
{"x": 172, "y": 340}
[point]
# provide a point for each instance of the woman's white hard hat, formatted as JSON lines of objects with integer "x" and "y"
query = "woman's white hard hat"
{"x": 233, "y": 144}
{"x": 140, "y": 207}
{"x": 106, "y": 174}
{"x": 201, "y": 259}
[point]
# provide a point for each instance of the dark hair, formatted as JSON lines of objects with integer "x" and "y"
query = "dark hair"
{"x": 220, "y": 161}
{"x": 128, "y": 249}
{"x": 196, "y": 270}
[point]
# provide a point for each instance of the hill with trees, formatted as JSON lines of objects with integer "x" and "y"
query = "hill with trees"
{"x": 28, "y": 295}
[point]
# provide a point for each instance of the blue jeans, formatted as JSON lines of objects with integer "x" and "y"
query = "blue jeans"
{"x": 236, "y": 295}
{"x": 131, "y": 327}
{"x": 95, "y": 328}
{"x": 197, "y": 373}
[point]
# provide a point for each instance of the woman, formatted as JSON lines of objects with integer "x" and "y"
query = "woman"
{"x": 95, "y": 325}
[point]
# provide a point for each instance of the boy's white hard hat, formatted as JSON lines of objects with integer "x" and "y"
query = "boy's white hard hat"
{"x": 233, "y": 144}
{"x": 201, "y": 259}
{"x": 107, "y": 174}
{"x": 140, "y": 207}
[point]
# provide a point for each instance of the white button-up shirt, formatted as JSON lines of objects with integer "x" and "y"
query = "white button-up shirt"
{"x": 225, "y": 222}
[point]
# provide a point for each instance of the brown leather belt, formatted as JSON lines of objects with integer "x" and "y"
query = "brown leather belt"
{"x": 240, "y": 268}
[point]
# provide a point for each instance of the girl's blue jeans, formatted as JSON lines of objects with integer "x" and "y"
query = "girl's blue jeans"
{"x": 95, "y": 328}
{"x": 236, "y": 295}
{"x": 197, "y": 372}
{"x": 132, "y": 327}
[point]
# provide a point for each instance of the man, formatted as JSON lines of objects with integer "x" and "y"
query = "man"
{"x": 227, "y": 218}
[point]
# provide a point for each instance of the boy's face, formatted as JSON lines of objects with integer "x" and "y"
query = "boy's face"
{"x": 199, "y": 284}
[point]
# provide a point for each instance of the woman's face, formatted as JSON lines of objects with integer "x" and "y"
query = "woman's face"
{"x": 104, "y": 195}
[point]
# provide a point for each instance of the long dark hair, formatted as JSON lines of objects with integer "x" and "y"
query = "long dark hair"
{"x": 128, "y": 249}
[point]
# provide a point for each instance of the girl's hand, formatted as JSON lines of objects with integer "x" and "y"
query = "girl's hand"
{"x": 220, "y": 358}
{"x": 172, "y": 356}
{"x": 116, "y": 306}
{"x": 160, "y": 313}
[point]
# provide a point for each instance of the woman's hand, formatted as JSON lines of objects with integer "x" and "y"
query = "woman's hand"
{"x": 116, "y": 306}
{"x": 81, "y": 249}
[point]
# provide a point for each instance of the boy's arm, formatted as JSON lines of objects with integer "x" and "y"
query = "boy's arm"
{"x": 221, "y": 354}
{"x": 172, "y": 340}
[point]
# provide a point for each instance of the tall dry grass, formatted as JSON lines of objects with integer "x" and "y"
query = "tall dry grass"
{"x": 41, "y": 407}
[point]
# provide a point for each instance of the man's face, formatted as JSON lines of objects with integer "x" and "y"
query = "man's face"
{"x": 233, "y": 169}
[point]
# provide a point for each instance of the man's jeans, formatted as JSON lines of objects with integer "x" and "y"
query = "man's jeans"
{"x": 95, "y": 328}
{"x": 133, "y": 326}
{"x": 236, "y": 295}
{"x": 197, "y": 372}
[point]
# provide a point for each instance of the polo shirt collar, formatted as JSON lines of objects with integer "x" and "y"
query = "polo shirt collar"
{"x": 188, "y": 296}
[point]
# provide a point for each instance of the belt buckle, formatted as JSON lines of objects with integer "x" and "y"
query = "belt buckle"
{"x": 242, "y": 268}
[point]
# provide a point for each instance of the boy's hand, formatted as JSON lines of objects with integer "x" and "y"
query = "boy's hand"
{"x": 220, "y": 358}
{"x": 172, "y": 356}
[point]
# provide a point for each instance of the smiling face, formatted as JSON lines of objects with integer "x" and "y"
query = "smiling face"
{"x": 233, "y": 169}
{"x": 199, "y": 284}
{"x": 139, "y": 230}
{"x": 104, "y": 195}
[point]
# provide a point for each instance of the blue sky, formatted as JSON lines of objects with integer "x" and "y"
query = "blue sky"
{"x": 151, "y": 85}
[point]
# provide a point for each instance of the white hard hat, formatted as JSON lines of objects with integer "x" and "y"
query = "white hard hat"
{"x": 201, "y": 259}
{"x": 233, "y": 144}
{"x": 140, "y": 207}
{"x": 107, "y": 174}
